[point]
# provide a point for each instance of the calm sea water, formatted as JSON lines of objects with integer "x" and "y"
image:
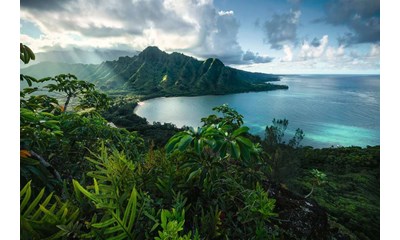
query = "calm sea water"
{"x": 332, "y": 110}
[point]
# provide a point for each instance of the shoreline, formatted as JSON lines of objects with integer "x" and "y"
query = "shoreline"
{"x": 142, "y": 98}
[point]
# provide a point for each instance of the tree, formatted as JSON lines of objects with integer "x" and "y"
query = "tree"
{"x": 70, "y": 85}
{"x": 283, "y": 158}
{"x": 274, "y": 134}
{"x": 297, "y": 138}
{"x": 318, "y": 178}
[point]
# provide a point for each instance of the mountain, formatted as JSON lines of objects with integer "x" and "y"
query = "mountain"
{"x": 157, "y": 73}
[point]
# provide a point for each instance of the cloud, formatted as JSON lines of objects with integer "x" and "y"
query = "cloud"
{"x": 315, "y": 49}
{"x": 361, "y": 17}
{"x": 334, "y": 53}
{"x": 45, "y": 5}
{"x": 282, "y": 28}
{"x": 106, "y": 18}
{"x": 288, "y": 54}
{"x": 218, "y": 37}
{"x": 222, "y": 13}
{"x": 315, "y": 42}
{"x": 194, "y": 27}
{"x": 375, "y": 50}
{"x": 252, "y": 57}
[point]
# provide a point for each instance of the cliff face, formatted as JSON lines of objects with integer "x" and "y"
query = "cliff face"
{"x": 156, "y": 72}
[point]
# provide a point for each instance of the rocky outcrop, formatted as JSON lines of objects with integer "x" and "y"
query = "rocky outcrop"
{"x": 298, "y": 217}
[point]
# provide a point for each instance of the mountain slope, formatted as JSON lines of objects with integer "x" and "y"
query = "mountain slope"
{"x": 154, "y": 72}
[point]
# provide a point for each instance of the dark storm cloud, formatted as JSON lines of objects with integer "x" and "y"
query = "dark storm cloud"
{"x": 281, "y": 28}
{"x": 45, "y": 5}
{"x": 361, "y": 17}
{"x": 251, "y": 57}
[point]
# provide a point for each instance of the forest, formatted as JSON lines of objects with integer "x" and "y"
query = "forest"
{"x": 90, "y": 168}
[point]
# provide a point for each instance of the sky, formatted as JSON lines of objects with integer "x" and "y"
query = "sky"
{"x": 272, "y": 36}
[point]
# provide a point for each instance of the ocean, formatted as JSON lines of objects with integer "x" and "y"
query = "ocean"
{"x": 332, "y": 110}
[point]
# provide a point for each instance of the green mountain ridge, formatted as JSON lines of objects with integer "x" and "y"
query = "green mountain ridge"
{"x": 157, "y": 73}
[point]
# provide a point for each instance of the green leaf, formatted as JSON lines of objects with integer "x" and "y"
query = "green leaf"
{"x": 104, "y": 223}
{"x": 244, "y": 150}
{"x": 44, "y": 204}
{"x": 34, "y": 203}
{"x": 131, "y": 210}
{"x": 28, "y": 115}
{"x": 245, "y": 141}
{"x": 239, "y": 131}
{"x": 194, "y": 174}
{"x": 77, "y": 186}
{"x": 49, "y": 213}
{"x": 27, "y": 192}
{"x": 184, "y": 142}
{"x": 96, "y": 186}
{"x": 235, "y": 150}
{"x": 171, "y": 144}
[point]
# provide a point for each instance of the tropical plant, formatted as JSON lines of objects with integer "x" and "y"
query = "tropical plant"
{"x": 219, "y": 137}
{"x": 45, "y": 216}
{"x": 274, "y": 134}
{"x": 172, "y": 223}
{"x": 117, "y": 220}
{"x": 318, "y": 178}
{"x": 26, "y": 54}
{"x": 69, "y": 85}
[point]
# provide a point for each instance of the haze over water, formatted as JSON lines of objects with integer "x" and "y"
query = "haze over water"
{"x": 332, "y": 110}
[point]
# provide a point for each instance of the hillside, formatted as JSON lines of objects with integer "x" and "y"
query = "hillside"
{"x": 157, "y": 73}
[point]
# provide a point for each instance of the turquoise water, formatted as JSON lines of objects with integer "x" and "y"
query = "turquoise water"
{"x": 332, "y": 110}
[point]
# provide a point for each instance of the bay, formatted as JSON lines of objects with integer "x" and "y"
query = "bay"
{"x": 332, "y": 110}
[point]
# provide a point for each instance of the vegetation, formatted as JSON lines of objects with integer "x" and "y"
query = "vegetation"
{"x": 343, "y": 180}
{"x": 121, "y": 114}
{"x": 108, "y": 185}
{"x": 351, "y": 192}
{"x": 154, "y": 73}
{"x": 82, "y": 177}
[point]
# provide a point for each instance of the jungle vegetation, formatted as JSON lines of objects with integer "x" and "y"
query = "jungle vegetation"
{"x": 82, "y": 177}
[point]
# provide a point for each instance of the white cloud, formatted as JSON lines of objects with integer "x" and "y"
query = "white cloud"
{"x": 316, "y": 50}
{"x": 288, "y": 54}
{"x": 317, "y": 56}
{"x": 375, "y": 50}
{"x": 333, "y": 53}
{"x": 222, "y": 13}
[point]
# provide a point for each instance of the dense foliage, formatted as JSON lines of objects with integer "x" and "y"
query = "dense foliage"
{"x": 114, "y": 188}
{"x": 83, "y": 177}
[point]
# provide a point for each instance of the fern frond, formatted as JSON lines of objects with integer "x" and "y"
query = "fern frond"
{"x": 118, "y": 222}
{"x": 39, "y": 218}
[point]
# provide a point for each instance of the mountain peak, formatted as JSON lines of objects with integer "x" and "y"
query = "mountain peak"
{"x": 151, "y": 49}
{"x": 152, "y": 53}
